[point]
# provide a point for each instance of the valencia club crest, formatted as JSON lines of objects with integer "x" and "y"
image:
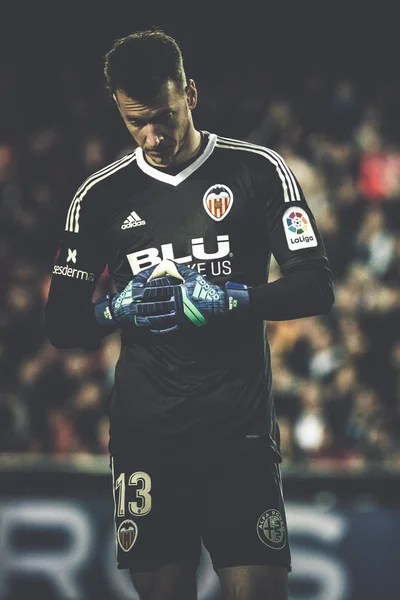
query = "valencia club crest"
{"x": 127, "y": 534}
{"x": 218, "y": 201}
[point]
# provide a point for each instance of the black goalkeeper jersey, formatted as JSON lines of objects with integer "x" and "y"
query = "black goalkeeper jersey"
{"x": 224, "y": 214}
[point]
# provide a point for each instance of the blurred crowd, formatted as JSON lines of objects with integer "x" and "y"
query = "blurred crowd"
{"x": 336, "y": 378}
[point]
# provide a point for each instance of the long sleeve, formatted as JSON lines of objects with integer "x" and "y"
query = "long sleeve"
{"x": 300, "y": 293}
{"x": 69, "y": 312}
{"x": 306, "y": 286}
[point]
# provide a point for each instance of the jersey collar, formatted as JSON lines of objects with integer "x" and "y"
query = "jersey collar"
{"x": 179, "y": 177}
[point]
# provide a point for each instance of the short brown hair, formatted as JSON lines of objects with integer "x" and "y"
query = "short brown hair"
{"x": 142, "y": 62}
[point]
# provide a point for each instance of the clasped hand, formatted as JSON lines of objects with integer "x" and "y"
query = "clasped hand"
{"x": 166, "y": 297}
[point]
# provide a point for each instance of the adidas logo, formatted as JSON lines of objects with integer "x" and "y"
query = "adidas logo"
{"x": 204, "y": 290}
{"x": 132, "y": 220}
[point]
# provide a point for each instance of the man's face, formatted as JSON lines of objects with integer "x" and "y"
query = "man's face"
{"x": 160, "y": 128}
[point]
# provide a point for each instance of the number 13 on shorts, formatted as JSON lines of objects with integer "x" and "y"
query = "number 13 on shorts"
{"x": 142, "y": 505}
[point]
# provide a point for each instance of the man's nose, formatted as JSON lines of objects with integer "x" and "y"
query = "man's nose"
{"x": 153, "y": 136}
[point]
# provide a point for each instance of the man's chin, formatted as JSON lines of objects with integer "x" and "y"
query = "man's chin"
{"x": 160, "y": 159}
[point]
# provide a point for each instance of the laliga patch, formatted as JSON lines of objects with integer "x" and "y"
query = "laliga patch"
{"x": 218, "y": 201}
{"x": 271, "y": 529}
{"x": 298, "y": 229}
{"x": 127, "y": 535}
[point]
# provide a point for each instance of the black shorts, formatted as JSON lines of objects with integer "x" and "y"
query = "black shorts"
{"x": 166, "y": 505}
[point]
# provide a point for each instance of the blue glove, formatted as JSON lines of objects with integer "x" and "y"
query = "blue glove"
{"x": 201, "y": 302}
{"x": 141, "y": 303}
{"x": 195, "y": 301}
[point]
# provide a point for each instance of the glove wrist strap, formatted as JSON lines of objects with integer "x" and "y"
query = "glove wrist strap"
{"x": 238, "y": 298}
{"x": 103, "y": 313}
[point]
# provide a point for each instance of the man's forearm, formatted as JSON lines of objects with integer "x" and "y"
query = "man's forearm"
{"x": 297, "y": 294}
{"x": 70, "y": 324}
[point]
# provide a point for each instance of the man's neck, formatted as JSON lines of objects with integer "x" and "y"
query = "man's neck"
{"x": 191, "y": 148}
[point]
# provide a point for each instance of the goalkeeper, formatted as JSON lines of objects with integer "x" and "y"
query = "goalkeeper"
{"x": 186, "y": 225}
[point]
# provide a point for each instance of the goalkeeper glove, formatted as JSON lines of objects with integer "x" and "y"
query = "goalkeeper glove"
{"x": 141, "y": 303}
{"x": 198, "y": 301}
{"x": 201, "y": 302}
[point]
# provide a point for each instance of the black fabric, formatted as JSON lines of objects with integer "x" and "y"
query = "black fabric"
{"x": 188, "y": 496}
{"x": 224, "y": 215}
{"x": 69, "y": 316}
{"x": 297, "y": 294}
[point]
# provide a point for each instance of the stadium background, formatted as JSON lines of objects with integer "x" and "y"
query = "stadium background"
{"x": 320, "y": 85}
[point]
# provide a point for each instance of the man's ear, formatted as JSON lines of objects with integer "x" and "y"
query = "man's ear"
{"x": 191, "y": 94}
